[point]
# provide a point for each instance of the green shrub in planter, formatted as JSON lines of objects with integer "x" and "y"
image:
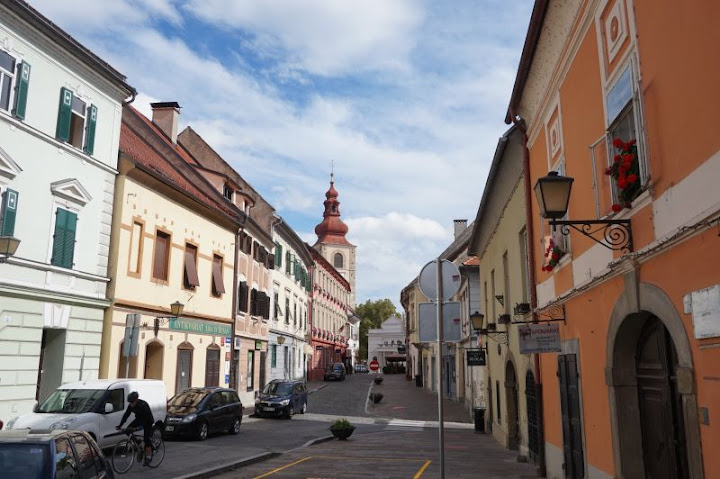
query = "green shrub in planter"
{"x": 342, "y": 429}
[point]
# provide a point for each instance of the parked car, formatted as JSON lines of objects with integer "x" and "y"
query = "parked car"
{"x": 197, "y": 412}
{"x": 282, "y": 397}
{"x": 94, "y": 406}
{"x": 45, "y": 454}
{"x": 336, "y": 371}
{"x": 361, "y": 368}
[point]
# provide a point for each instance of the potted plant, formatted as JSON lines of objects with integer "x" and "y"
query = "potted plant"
{"x": 553, "y": 255}
{"x": 625, "y": 171}
{"x": 342, "y": 429}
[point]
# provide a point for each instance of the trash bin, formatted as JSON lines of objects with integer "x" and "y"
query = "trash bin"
{"x": 418, "y": 380}
{"x": 479, "y": 416}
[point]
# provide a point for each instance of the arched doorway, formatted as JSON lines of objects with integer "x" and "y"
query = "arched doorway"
{"x": 511, "y": 396}
{"x": 212, "y": 365}
{"x": 651, "y": 379}
{"x": 183, "y": 374}
{"x": 661, "y": 421}
{"x": 123, "y": 370}
{"x": 533, "y": 416}
{"x": 154, "y": 353}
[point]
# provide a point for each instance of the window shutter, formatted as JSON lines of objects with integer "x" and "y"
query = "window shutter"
{"x": 271, "y": 261}
{"x": 242, "y": 297}
{"x": 278, "y": 255}
{"x": 69, "y": 249}
{"x": 8, "y": 211}
{"x": 90, "y": 136}
{"x": 64, "y": 115}
{"x": 287, "y": 262}
{"x": 21, "y": 92}
{"x": 253, "y": 302}
{"x": 64, "y": 238}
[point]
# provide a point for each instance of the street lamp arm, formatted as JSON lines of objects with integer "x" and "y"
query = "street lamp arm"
{"x": 615, "y": 235}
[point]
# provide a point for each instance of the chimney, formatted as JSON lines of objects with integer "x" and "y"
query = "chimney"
{"x": 460, "y": 226}
{"x": 165, "y": 116}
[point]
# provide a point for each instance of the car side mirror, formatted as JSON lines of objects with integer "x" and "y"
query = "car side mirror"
{"x": 108, "y": 408}
{"x": 36, "y": 406}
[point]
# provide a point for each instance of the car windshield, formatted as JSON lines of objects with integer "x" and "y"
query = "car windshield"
{"x": 29, "y": 461}
{"x": 338, "y": 367}
{"x": 278, "y": 389}
{"x": 71, "y": 401}
{"x": 190, "y": 399}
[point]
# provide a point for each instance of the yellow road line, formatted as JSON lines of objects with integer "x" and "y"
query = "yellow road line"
{"x": 422, "y": 469}
{"x": 365, "y": 458}
{"x": 284, "y": 467}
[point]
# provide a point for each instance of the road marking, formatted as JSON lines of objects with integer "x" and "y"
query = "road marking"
{"x": 406, "y": 423}
{"x": 422, "y": 469}
{"x": 284, "y": 467}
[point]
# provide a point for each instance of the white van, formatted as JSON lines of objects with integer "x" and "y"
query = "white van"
{"x": 94, "y": 406}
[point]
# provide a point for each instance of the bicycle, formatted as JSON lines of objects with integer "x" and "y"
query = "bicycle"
{"x": 128, "y": 450}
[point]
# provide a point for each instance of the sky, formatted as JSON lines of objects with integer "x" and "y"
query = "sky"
{"x": 403, "y": 99}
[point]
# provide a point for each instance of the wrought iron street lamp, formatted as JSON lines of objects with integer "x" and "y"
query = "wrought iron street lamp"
{"x": 8, "y": 247}
{"x": 176, "y": 310}
{"x": 477, "y": 319}
{"x": 553, "y": 196}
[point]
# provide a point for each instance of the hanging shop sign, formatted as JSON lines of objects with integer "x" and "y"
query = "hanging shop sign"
{"x": 539, "y": 338}
{"x": 475, "y": 357}
{"x": 200, "y": 327}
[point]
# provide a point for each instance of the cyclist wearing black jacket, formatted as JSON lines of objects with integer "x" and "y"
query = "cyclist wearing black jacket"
{"x": 143, "y": 417}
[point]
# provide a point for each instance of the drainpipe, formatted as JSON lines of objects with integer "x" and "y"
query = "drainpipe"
{"x": 519, "y": 122}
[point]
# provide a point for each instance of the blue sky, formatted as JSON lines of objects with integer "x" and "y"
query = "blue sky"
{"x": 406, "y": 97}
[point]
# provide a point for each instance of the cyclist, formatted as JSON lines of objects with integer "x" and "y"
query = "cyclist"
{"x": 144, "y": 418}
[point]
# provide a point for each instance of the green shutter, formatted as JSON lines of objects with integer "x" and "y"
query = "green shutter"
{"x": 287, "y": 262}
{"x": 90, "y": 136}
{"x": 8, "y": 212}
{"x": 278, "y": 255}
{"x": 64, "y": 115}
{"x": 22, "y": 85}
{"x": 64, "y": 238}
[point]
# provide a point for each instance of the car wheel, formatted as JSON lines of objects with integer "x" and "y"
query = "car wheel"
{"x": 235, "y": 426}
{"x": 202, "y": 431}
{"x": 304, "y": 408}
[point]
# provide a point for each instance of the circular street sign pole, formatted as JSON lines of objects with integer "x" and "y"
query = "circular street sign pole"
{"x": 439, "y": 299}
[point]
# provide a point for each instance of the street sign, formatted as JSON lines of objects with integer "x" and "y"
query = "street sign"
{"x": 475, "y": 357}
{"x": 427, "y": 322}
{"x": 374, "y": 365}
{"x": 450, "y": 280}
{"x": 132, "y": 332}
{"x": 539, "y": 338}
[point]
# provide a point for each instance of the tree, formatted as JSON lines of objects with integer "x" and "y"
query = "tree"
{"x": 372, "y": 314}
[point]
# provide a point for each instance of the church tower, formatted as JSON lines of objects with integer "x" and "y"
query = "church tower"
{"x": 331, "y": 242}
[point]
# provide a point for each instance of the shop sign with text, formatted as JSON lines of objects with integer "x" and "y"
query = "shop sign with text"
{"x": 539, "y": 338}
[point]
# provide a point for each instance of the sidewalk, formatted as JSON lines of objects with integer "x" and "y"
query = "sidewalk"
{"x": 403, "y": 400}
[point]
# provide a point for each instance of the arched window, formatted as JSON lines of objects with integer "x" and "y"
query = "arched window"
{"x": 338, "y": 260}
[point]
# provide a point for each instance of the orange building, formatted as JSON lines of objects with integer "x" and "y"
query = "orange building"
{"x": 622, "y": 96}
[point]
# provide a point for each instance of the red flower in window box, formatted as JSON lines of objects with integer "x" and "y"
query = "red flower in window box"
{"x": 553, "y": 255}
{"x": 625, "y": 170}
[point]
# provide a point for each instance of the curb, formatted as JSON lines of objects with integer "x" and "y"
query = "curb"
{"x": 213, "y": 471}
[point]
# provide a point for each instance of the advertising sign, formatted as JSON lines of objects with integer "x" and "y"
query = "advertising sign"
{"x": 200, "y": 327}
{"x": 475, "y": 357}
{"x": 539, "y": 338}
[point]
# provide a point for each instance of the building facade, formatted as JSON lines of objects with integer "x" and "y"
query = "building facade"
{"x": 60, "y": 110}
{"x": 606, "y": 96}
{"x": 386, "y": 343}
{"x": 292, "y": 281}
{"x": 173, "y": 241}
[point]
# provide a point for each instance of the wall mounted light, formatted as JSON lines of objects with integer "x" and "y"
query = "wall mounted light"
{"x": 8, "y": 247}
{"x": 176, "y": 310}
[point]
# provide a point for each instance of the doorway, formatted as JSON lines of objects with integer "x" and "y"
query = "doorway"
{"x": 154, "y": 360}
{"x": 52, "y": 357}
{"x": 511, "y": 396}
{"x": 212, "y": 366}
{"x": 183, "y": 378}
{"x": 661, "y": 420}
{"x": 533, "y": 415}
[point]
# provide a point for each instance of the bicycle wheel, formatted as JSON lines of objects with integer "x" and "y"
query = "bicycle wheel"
{"x": 158, "y": 452}
{"x": 123, "y": 456}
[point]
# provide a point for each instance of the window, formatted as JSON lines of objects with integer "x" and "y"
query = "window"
{"x": 250, "y": 380}
{"x": 338, "y": 260}
{"x": 287, "y": 262}
{"x": 273, "y": 356}
{"x": 294, "y": 313}
{"x": 8, "y": 212}
{"x": 227, "y": 192}
{"x": 162, "y": 256}
{"x": 85, "y": 456}
{"x": 287, "y": 310}
{"x": 524, "y": 266}
{"x": 491, "y": 319}
{"x": 190, "y": 276}
{"x": 497, "y": 400}
{"x": 218, "y": 287}
{"x": 116, "y": 398}
{"x": 276, "y": 311}
{"x": 254, "y": 302}
{"x": 63, "y": 250}
{"x": 8, "y": 69}
{"x": 136, "y": 242}
{"x": 278, "y": 255}
{"x": 76, "y": 121}
{"x": 65, "y": 461}
{"x": 242, "y": 297}
{"x": 624, "y": 120}
{"x": 506, "y": 285}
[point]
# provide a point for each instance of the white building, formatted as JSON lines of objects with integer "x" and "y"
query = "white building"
{"x": 383, "y": 343}
{"x": 60, "y": 113}
{"x": 288, "y": 347}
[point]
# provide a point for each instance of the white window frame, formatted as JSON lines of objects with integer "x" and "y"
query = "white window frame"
{"x": 83, "y": 116}
{"x": 9, "y": 74}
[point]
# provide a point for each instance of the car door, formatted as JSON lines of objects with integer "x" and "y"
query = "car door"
{"x": 297, "y": 397}
{"x": 66, "y": 464}
{"x": 108, "y": 421}
{"x": 87, "y": 467}
{"x": 215, "y": 412}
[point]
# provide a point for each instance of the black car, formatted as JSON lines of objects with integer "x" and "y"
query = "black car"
{"x": 45, "y": 454}
{"x": 282, "y": 397}
{"x": 197, "y": 412}
{"x": 336, "y": 371}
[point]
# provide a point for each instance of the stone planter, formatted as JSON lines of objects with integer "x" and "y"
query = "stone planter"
{"x": 376, "y": 397}
{"x": 342, "y": 433}
{"x": 378, "y": 380}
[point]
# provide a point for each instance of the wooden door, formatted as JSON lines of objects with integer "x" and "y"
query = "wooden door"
{"x": 212, "y": 367}
{"x": 184, "y": 369}
{"x": 533, "y": 415}
{"x": 664, "y": 449}
{"x": 571, "y": 419}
